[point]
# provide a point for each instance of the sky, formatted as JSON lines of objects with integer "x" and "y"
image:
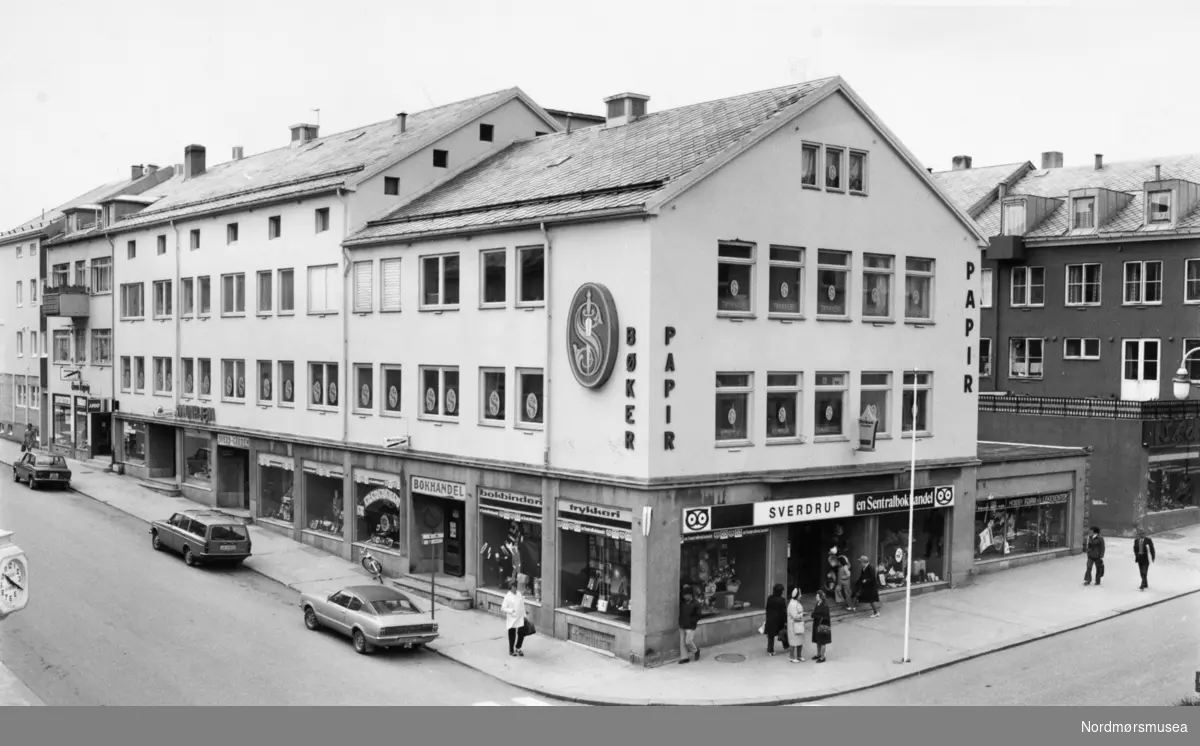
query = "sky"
{"x": 88, "y": 89}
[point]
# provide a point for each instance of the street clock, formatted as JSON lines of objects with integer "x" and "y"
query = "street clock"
{"x": 14, "y": 576}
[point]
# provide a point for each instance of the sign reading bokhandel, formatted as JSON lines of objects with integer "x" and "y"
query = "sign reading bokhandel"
{"x": 439, "y": 488}
{"x": 896, "y": 501}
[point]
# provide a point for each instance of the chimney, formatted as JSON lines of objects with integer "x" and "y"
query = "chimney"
{"x": 237, "y": 153}
{"x": 303, "y": 134}
{"x": 1099, "y": 161}
{"x": 1158, "y": 173}
{"x": 402, "y": 119}
{"x": 151, "y": 168}
{"x": 136, "y": 172}
{"x": 1052, "y": 159}
{"x": 1002, "y": 190}
{"x": 193, "y": 158}
{"x": 930, "y": 170}
{"x": 624, "y": 108}
{"x": 962, "y": 162}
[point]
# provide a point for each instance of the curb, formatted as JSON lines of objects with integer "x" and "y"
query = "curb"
{"x": 753, "y": 701}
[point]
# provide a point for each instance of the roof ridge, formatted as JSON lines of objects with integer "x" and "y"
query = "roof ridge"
{"x": 980, "y": 168}
{"x": 736, "y": 96}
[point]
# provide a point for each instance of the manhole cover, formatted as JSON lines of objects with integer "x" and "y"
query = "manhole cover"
{"x": 730, "y": 658}
{"x": 1170, "y": 536}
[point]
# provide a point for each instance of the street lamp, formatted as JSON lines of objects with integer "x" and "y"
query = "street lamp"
{"x": 1183, "y": 383}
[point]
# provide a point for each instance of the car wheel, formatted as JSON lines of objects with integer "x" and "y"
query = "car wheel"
{"x": 188, "y": 558}
{"x": 155, "y": 541}
{"x": 310, "y": 619}
{"x": 360, "y": 643}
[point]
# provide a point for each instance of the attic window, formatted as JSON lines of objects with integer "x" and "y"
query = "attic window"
{"x": 1083, "y": 213}
{"x": 1014, "y": 219}
{"x": 440, "y": 158}
{"x": 486, "y": 132}
{"x": 391, "y": 185}
{"x": 539, "y": 134}
{"x": 360, "y": 134}
{"x": 560, "y": 161}
{"x": 1160, "y": 206}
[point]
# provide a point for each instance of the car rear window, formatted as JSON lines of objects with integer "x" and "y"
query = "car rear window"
{"x": 229, "y": 533}
{"x": 394, "y": 606}
{"x": 51, "y": 461}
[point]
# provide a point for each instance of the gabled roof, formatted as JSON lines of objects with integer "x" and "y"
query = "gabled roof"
{"x": 972, "y": 189}
{"x": 34, "y": 226}
{"x": 607, "y": 171}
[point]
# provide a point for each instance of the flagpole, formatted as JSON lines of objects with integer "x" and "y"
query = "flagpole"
{"x": 912, "y": 489}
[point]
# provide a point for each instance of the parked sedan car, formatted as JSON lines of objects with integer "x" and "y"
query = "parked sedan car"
{"x": 42, "y": 468}
{"x": 202, "y": 536}
{"x": 373, "y": 616}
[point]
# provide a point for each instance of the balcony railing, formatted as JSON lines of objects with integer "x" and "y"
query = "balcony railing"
{"x": 1112, "y": 409}
{"x": 66, "y": 300}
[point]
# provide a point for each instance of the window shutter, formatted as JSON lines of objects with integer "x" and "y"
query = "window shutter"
{"x": 389, "y": 269}
{"x": 362, "y": 286}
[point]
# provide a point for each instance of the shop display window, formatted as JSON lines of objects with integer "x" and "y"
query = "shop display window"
{"x": 1020, "y": 526}
{"x": 510, "y": 546}
{"x": 377, "y": 519}
{"x": 1169, "y": 489}
{"x": 81, "y": 430}
{"x": 135, "y": 442}
{"x": 62, "y": 425}
{"x": 275, "y": 493}
{"x": 198, "y": 458}
{"x": 594, "y": 574}
{"x": 929, "y": 561}
{"x": 323, "y": 504}
{"x": 726, "y": 575}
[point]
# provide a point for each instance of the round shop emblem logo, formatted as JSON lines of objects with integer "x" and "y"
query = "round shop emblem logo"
{"x": 364, "y": 395}
{"x": 393, "y": 397}
{"x": 228, "y": 385}
{"x": 141, "y": 380}
{"x": 206, "y": 384}
{"x": 316, "y": 393}
{"x": 833, "y": 172}
{"x": 732, "y": 416}
{"x": 160, "y": 381}
{"x": 943, "y": 496}
{"x": 451, "y": 401}
{"x": 430, "y": 400}
{"x": 733, "y": 287}
{"x": 531, "y": 406}
{"x": 189, "y": 382}
{"x": 266, "y": 388}
{"x": 916, "y": 296}
{"x": 169, "y": 382}
{"x": 829, "y": 412}
{"x": 494, "y": 403}
{"x": 830, "y": 292}
{"x": 241, "y": 386}
{"x": 333, "y": 393}
{"x": 875, "y": 295}
{"x": 782, "y": 415}
{"x": 287, "y": 389}
{"x": 784, "y": 289}
{"x": 696, "y": 519}
{"x": 593, "y": 331}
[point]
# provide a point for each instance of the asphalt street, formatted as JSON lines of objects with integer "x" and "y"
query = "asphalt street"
{"x": 113, "y": 622}
{"x": 1148, "y": 657}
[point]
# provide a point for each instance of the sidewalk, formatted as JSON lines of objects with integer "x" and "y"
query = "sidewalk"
{"x": 997, "y": 611}
{"x": 15, "y": 694}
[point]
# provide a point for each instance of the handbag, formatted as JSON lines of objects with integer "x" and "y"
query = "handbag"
{"x": 798, "y": 627}
{"x": 528, "y": 629}
{"x": 824, "y": 629}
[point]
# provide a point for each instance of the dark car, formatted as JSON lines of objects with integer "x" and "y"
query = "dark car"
{"x": 42, "y": 468}
{"x": 202, "y": 536}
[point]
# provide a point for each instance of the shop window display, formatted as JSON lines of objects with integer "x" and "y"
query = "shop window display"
{"x": 378, "y": 516}
{"x": 1020, "y": 525}
{"x": 510, "y": 546}
{"x": 323, "y": 504}
{"x": 135, "y": 442}
{"x": 1169, "y": 489}
{"x": 276, "y": 493}
{"x": 81, "y": 429}
{"x": 728, "y": 575}
{"x": 595, "y": 573}
{"x": 929, "y": 559}
{"x": 62, "y": 425}
{"x": 198, "y": 457}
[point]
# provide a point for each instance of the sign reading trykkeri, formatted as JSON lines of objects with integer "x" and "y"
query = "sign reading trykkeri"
{"x": 593, "y": 334}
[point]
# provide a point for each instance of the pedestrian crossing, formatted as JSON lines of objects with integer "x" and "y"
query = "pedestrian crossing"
{"x": 519, "y": 701}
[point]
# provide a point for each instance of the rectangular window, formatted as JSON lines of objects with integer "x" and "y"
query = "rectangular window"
{"x": 735, "y": 272}
{"x": 1014, "y": 219}
{"x": 189, "y": 376}
{"x": 33, "y": 290}
{"x": 492, "y": 396}
{"x": 266, "y": 391}
{"x": 389, "y": 285}
{"x": 783, "y": 407}
{"x": 1081, "y": 349}
{"x": 323, "y": 384}
{"x": 833, "y": 168}
{"x": 126, "y": 374}
{"x": 231, "y": 233}
{"x": 265, "y": 295}
{"x": 1143, "y": 283}
{"x": 139, "y": 375}
{"x": 531, "y": 280}
{"x": 233, "y": 295}
{"x": 162, "y": 375}
{"x": 829, "y": 405}
{"x": 132, "y": 300}
{"x": 274, "y": 227}
{"x": 131, "y": 249}
{"x": 33, "y": 343}
{"x": 61, "y": 275}
{"x": 833, "y": 283}
{"x": 204, "y": 377}
{"x": 20, "y": 293}
{"x": 287, "y": 291}
{"x": 985, "y": 358}
{"x": 364, "y": 281}
{"x": 1028, "y": 287}
{"x": 233, "y": 380}
{"x": 439, "y": 392}
{"x": 441, "y": 159}
{"x": 81, "y": 275}
{"x": 1140, "y": 369}
{"x": 493, "y": 291}
{"x": 918, "y": 388}
{"x": 1191, "y": 281}
{"x": 877, "y": 286}
{"x": 102, "y": 276}
{"x": 985, "y": 292}
{"x": 287, "y": 383}
{"x": 204, "y": 290}
{"x": 857, "y": 175}
{"x": 809, "y": 155}
{"x": 80, "y": 346}
{"x": 1159, "y": 206}
{"x": 733, "y": 407}
{"x": 487, "y": 132}
{"x": 21, "y": 344}
{"x": 391, "y": 185}
{"x": 439, "y": 281}
{"x": 1025, "y": 358}
{"x": 1193, "y": 363}
{"x": 321, "y": 220}
{"x": 187, "y": 297}
{"x": 531, "y": 398}
{"x": 1083, "y": 284}
{"x": 1083, "y": 213}
{"x": 323, "y": 289}
{"x": 875, "y": 398}
{"x": 364, "y": 387}
{"x": 390, "y": 381}
{"x": 164, "y": 298}
{"x": 786, "y": 272}
{"x": 918, "y": 288}
{"x": 162, "y": 242}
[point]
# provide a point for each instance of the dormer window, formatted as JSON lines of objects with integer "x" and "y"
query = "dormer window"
{"x": 1159, "y": 206}
{"x": 1083, "y": 213}
{"x": 1014, "y": 219}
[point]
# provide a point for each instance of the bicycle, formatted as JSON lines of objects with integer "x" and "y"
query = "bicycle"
{"x": 372, "y": 565}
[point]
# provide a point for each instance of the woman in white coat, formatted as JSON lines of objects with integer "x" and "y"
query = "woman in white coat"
{"x": 513, "y": 608}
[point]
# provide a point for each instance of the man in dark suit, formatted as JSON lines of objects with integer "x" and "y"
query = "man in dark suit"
{"x": 1143, "y": 554}
{"x": 1094, "y": 546}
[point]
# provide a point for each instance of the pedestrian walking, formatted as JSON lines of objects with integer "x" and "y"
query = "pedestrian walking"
{"x": 689, "y": 617}
{"x": 822, "y": 629}
{"x": 27, "y": 442}
{"x": 513, "y": 608}
{"x": 867, "y": 590}
{"x": 1095, "y": 556}
{"x": 842, "y": 591}
{"x": 776, "y": 622}
{"x": 1143, "y": 554}
{"x": 795, "y": 616}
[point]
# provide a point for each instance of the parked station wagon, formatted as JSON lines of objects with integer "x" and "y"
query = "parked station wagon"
{"x": 202, "y": 537}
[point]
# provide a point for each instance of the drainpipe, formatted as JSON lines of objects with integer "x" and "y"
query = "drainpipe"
{"x": 347, "y": 308}
{"x": 114, "y": 288}
{"x": 177, "y": 364}
{"x": 546, "y": 372}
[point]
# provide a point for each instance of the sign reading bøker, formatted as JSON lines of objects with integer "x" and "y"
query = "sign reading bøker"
{"x": 593, "y": 335}
{"x": 895, "y": 501}
{"x": 439, "y": 488}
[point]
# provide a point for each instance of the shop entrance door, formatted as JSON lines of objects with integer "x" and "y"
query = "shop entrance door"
{"x": 438, "y": 528}
{"x": 101, "y": 434}
{"x": 233, "y": 478}
{"x": 807, "y": 554}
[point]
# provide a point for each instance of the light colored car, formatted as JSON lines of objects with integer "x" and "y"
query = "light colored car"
{"x": 373, "y": 616}
{"x": 202, "y": 536}
{"x": 42, "y": 468}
